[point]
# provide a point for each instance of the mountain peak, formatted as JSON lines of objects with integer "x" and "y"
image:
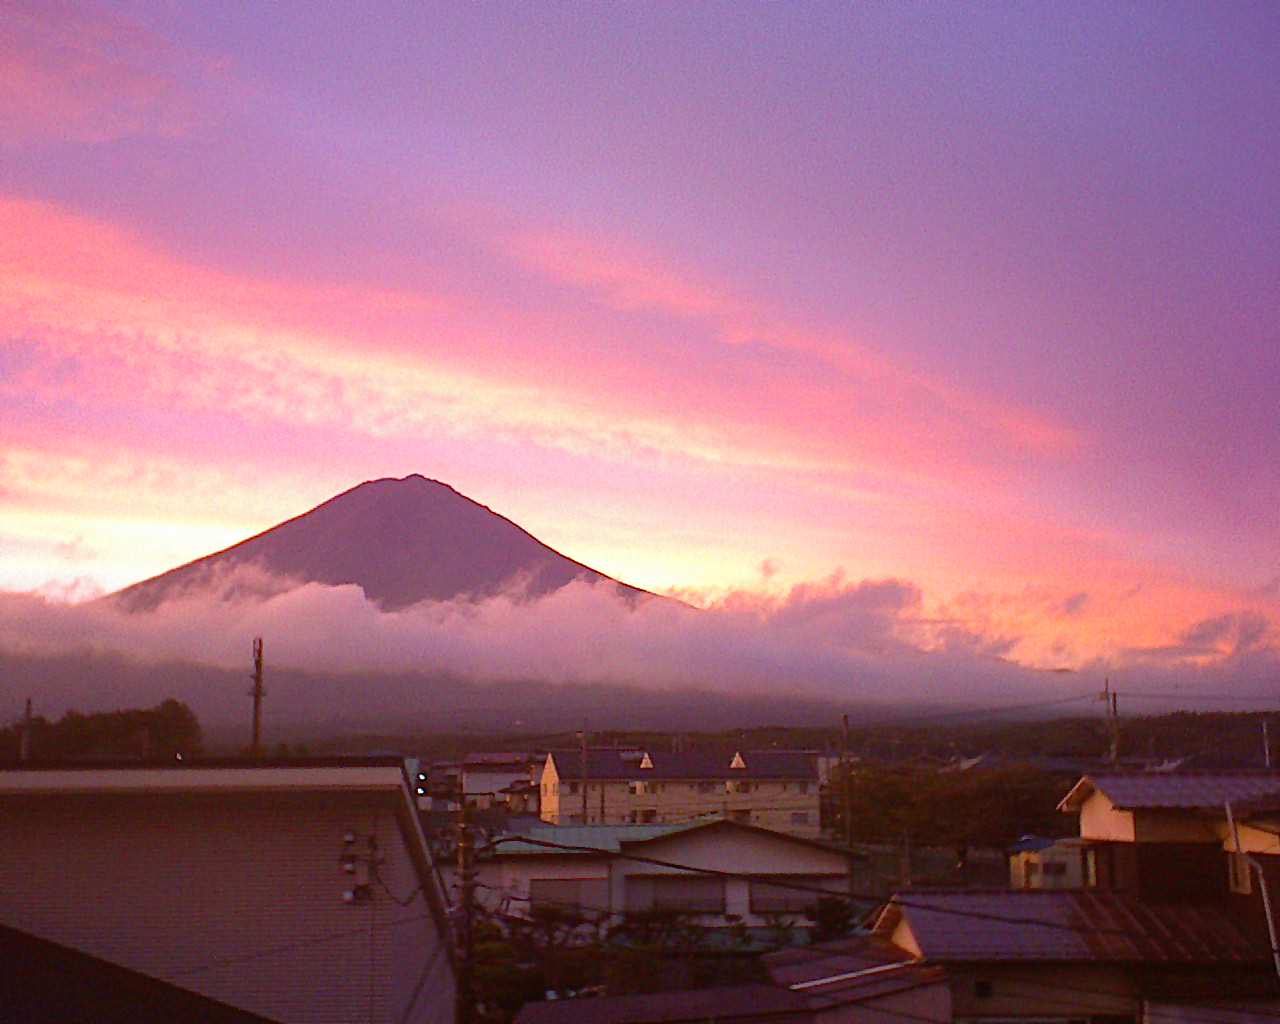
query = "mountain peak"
{"x": 402, "y": 540}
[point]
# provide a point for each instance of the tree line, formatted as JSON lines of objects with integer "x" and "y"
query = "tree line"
{"x": 161, "y": 732}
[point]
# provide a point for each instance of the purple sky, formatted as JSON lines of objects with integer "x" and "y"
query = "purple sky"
{"x": 981, "y": 297}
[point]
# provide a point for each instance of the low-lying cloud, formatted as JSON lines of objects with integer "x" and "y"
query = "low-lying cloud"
{"x": 854, "y": 643}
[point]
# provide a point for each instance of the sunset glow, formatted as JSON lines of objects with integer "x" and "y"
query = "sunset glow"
{"x": 720, "y": 301}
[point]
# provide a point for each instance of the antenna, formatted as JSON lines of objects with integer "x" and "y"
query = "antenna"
{"x": 257, "y": 693}
{"x": 584, "y": 772}
{"x": 1109, "y": 698}
{"x": 24, "y": 741}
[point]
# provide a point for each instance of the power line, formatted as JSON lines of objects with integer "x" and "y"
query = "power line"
{"x": 851, "y": 897}
{"x": 971, "y": 712}
{"x": 289, "y": 947}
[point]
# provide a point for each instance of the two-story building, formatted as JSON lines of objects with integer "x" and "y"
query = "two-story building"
{"x": 1170, "y": 919}
{"x": 774, "y": 789}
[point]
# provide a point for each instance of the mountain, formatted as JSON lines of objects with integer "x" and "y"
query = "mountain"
{"x": 401, "y": 541}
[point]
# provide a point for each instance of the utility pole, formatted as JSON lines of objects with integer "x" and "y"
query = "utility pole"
{"x": 1110, "y": 700}
{"x": 467, "y": 879}
{"x": 584, "y": 771}
{"x": 1266, "y": 746}
{"x": 846, "y": 794}
{"x": 257, "y": 693}
{"x": 24, "y": 743}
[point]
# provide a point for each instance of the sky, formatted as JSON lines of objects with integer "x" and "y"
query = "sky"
{"x": 744, "y": 303}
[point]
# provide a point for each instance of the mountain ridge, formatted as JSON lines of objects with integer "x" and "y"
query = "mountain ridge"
{"x": 401, "y": 540}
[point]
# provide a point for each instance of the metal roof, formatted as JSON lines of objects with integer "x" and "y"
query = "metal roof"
{"x": 1172, "y": 790}
{"x": 502, "y": 758}
{"x": 604, "y": 838}
{"x": 726, "y": 1003}
{"x": 696, "y": 764}
{"x": 1067, "y": 926}
{"x": 801, "y": 964}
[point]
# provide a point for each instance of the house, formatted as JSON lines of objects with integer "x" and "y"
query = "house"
{"x": 845, "y": 982}
{"x": 1055, "y": 955}
{"x": 1036, "y": 862}
{"x": 728, "y": 873}
{"x": 293, "y": 891}
{"x": 486, "y": 775}
{"x": 1169, "y": 920}
{"x": 774, "y": 789}
{"x": 522, "y": 797}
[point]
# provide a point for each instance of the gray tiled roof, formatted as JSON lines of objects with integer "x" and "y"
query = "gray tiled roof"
{"x": 1066, "y": 926}
{"x": 708, "y": 765}
{"x": 1186, "y": 790}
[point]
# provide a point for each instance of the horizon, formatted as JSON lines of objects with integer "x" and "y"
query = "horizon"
{"x": 926, "y": 351}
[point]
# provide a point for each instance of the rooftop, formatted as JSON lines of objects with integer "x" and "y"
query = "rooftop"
{"x": 496, "y": 759}
{"x": 604, "y": 838}
{"x": 221, "y": 775}
{"x": 42, "y": 980}
{"x": 736, "y": 1002}
{"x": 1173, "y": 790}
{"x": 1065, "y": 926}
{"x": 707, "y": 765}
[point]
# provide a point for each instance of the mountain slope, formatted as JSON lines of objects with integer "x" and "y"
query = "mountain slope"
{"x": 402, "y": 541}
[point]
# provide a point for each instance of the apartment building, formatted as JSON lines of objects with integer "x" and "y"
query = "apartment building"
{"x": 774, "y": 789}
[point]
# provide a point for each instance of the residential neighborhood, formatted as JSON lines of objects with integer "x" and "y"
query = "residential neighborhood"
{"x": 637, "y": 512}
{"x": 389, "y": 888}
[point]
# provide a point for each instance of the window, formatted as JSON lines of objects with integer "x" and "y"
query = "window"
{"x": 573, "y": 787}
{"x": 706, "y": 787}
{"x": 799, "y": 817}
{"x": 802, "y": 787}
{"x": 1055, "y": 869}
{"x": 693, "y": 894}
{"x": 587, "y": 894}
{"x": 790, "y": 894}
{"x": 742, "y": 817}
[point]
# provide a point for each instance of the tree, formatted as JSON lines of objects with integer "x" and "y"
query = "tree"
{"x": 162, "y": 732}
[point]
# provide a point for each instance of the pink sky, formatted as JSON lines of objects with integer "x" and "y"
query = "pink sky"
{"x": 982, "y": 299}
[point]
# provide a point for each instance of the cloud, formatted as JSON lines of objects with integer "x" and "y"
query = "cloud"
{"x": 864, "y": 642}
{"x": 70, "y": 72}
{"x": 1074, "y": 604}
{"x": 1231, "y": 636}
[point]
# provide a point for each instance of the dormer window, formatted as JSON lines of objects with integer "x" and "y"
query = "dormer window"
{"x": 646, "y": 761}
{"x": 738, "y": 762}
